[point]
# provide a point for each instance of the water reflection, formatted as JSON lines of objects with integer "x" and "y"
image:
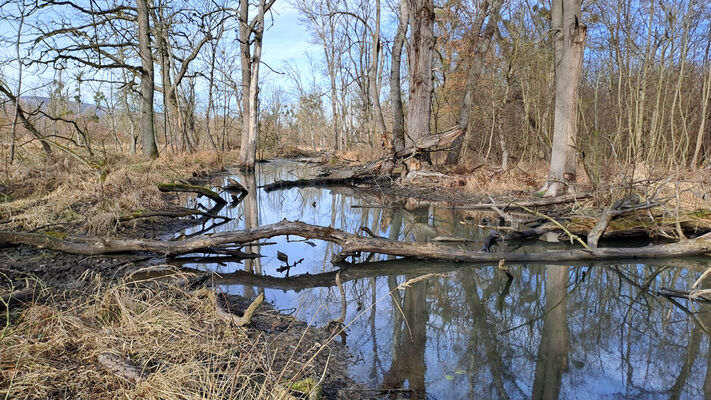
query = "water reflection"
{"x": 553, "y": 331}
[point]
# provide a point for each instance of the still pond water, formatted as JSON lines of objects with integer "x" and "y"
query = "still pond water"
{"x": 469, "y": 332}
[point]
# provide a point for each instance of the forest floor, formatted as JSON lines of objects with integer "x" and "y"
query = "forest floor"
{"x": 91, "y": 329}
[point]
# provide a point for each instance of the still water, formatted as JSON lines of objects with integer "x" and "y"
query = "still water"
{"x": 468, "y": 332}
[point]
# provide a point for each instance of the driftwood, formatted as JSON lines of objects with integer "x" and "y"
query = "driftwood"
{"x": 350, "y": 245}
{"x": 243, "y": 320}
{"x": 200, "y": 190}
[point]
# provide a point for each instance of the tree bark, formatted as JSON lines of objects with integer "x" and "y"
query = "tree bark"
{"x": 374, "y": 76}
{"x": 569, "y": 45}
{"x": 420, "y": 62}
{"x": 147, "y": 80}
{"x": 398, "y": 132}
{"x": 248, "y": 154}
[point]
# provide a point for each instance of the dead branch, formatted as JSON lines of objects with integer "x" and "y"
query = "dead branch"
{"x": 176, "y": 213}
{"x": 18, "y": 296}
{"x": 245, "y": 319}
{"x": 317, "y": 182}
{"x": 200, "y": 190}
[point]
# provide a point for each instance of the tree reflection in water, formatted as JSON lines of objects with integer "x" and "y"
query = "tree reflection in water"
{"x": 558, "y": 331}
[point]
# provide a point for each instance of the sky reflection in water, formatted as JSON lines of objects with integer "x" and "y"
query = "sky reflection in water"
{"x": 566, "y": 332}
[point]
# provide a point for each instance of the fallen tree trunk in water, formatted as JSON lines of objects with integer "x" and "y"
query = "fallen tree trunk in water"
{"x": 350, "y": 245}
{"x": 200, "y": 190}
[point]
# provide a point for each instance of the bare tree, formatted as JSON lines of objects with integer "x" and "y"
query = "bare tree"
{"x": 147, "y": 80}
{"x": 421, "y": 50}
{"x": 569, "y": 35}
{"x": 398, "y": 127}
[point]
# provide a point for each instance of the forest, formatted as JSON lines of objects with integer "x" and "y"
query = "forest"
{"x": 186, "y": 213}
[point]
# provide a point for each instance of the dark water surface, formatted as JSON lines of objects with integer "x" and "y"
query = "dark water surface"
{"x": 469, "y": 332}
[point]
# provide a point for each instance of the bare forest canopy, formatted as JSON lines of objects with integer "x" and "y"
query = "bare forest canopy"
{"x": 584, "y": 85}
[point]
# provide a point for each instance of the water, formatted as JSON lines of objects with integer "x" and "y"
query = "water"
{"x": 553, "y": 331}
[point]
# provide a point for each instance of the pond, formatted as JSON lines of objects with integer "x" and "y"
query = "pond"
{"x": 454, "y": 331}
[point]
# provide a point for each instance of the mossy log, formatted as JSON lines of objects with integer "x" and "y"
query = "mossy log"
{"x": 642, "y": 224}
{"x": 200, "y": 190}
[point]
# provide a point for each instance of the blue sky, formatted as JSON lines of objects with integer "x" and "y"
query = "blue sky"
{"x": 287, "y": 39}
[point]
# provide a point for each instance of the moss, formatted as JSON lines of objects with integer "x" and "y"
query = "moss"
{"x": 56, "y": 234}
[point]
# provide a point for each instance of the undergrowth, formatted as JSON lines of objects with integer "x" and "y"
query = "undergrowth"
{"x": 183, "y": 350}
{"x": 64, "y": 192}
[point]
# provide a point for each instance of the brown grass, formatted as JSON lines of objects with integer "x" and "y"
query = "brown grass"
{"x": 63, "y": 191}
{"x": 173, "y": 335}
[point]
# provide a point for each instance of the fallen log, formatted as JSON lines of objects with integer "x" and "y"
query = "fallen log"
{"x": 200, "y": 190}
{"x": 316, "y": 182}
{"x": 18, "y": 296}
{"x": 551, "y": 201}
{"x": 350, "y": 245}
{"x": 568, "y": 198}
{"x": 176, "y": 213}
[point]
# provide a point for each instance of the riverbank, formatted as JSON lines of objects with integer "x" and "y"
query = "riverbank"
{"x": 87, "y": 313}
{"x": 88, "y": 327}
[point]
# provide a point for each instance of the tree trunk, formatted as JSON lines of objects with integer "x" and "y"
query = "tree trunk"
{"x": 248, "y": 151}
{"x": 144, "y": 43}
{"x": 19, "y": 87}
{"x": 374, "y": 74}
{"x": 398, "y": 131}
{"x": 420, "y": 61}
{"x": 245, "y": 62}
{"x": 569, "y": 45}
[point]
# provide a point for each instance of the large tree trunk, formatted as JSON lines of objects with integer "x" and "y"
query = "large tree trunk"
{"x": 245, "y": 63}
{"x": 248, "y": 151}
{"x": 569, "y": 44}
{"x": 144, "y": 43}
{"x": 420, "y": 61}
{"x": 398, "y": 131}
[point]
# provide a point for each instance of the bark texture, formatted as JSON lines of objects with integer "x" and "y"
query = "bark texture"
{"x": 420, "y": 62}
{"x": 569, "y": 44}
{"x": 147, "y": 80}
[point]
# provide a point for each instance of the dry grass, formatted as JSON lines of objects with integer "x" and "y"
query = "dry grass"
{"x": 172, "y": 335}
{"x": 64, "y": 191}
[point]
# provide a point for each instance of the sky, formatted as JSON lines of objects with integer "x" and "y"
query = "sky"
{"x": 286, "y": 39}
